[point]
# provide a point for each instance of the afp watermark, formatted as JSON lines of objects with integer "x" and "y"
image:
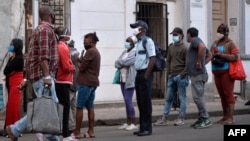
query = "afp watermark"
{"x": 241, "y": 132}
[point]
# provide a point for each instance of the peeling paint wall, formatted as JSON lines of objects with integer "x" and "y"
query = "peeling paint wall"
{"x": 11, "y": 26}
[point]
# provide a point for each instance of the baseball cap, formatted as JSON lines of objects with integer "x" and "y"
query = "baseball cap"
{"x": 177, "y": 30}
{"x": 139, "y": 23}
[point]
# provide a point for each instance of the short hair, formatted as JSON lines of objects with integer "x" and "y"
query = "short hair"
{"x": 18, "y": 46}
{"x": 45, "y": 11}
{"x": 193, "y": 32}
{"x": 93, "y": 37}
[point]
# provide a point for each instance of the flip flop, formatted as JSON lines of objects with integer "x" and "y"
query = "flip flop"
{"x": 87, "y": 135}
{"x": 80, "y": 136}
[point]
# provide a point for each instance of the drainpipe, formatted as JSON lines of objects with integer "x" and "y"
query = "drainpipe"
{"x": 67, "y": 14}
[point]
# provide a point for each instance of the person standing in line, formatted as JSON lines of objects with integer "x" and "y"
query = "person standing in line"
{"x": 224, "y": 83}
{"x": 64, "y": 78}
{"x": 41, "y": 66}
{"x": 198, "y": 57}
{"x": 144, "y": 63}
{"x": 73, "y": 88}
{"x": 125, "y": 63}
{"x": 177, "y": 78}
{"x": 13, "y": 72}
{"x": 88, "y": 81}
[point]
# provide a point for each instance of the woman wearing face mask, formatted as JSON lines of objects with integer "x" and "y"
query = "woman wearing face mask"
{"x": 64, "y": 78}
{"x": 125, "y": 63}
{"x": 224, "y": 84}
{"x": 13, "y": 72}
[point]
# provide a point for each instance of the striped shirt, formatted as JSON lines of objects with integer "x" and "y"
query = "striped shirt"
{"x": 42, "y": 45}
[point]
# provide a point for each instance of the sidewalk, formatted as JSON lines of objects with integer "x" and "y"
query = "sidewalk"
{"x": 114, "y": 113}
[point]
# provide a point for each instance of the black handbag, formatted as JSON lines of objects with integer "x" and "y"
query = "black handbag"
{"x": 218, "y": 61}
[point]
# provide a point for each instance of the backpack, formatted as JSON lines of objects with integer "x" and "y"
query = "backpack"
{"x": 160, "y": 55}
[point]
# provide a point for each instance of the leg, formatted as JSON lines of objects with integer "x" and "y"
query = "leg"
{"x": 171, "y": 93}
{"x": 128, "y": 97}
{"x": 72, "y": 111}
{"x": 219, "y": 87}
{"x": 91, "y": 118}
{"x": 146, "y": 110}
{"x": 91, "y": 112}
{"x": 79, "y": 117}
{"x": 198, "y": 85}
{"x": 182, "y": 96}
{"x": 63, "y": 96}
{"x": 122, "y": 85}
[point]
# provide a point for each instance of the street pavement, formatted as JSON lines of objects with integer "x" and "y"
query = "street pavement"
{"x": 113, "y": 114}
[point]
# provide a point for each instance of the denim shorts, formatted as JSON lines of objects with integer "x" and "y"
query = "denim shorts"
{"x": 85, "y": 96}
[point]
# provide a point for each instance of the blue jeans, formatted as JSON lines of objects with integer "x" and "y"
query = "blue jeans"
{"x": 20, "y": 126}
{"x": 198, "y": 89}
{"x": 176, "y": 85}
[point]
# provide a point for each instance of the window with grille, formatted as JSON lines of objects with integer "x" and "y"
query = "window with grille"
{"x": 58, "y": 7}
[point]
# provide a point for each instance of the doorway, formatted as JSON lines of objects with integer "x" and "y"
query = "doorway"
{"x": 155, "y": 15}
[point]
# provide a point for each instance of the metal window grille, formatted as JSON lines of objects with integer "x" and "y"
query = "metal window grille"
{"x": 58, "y": 7}
{"x": 155, "y": 15}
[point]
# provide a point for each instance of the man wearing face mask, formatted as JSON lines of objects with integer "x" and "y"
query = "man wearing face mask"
{"x": 64, "y": 78}
{"x": 40, "y": 65}
{"x": 224, "y": 83}
{"x": 144, "y": 62}
{"x": 177, "y": 78}
{"x": 125, "y": 63}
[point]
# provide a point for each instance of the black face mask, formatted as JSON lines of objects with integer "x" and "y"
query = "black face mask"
{"x": 87, "y": 47}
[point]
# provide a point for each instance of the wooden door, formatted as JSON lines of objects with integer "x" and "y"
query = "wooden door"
{"x": 219, "y": 9}
{"x": 219, "y": 14}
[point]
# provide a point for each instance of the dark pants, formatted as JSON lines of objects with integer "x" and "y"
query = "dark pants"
{"x": 143, "y": 89}
{"x": 62, "y": 92}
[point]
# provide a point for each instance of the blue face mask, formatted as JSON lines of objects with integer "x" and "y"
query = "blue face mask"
{"x": 176, "y": 39}
{"x": 10, "y": 49}
{"x": 127, "y": 45}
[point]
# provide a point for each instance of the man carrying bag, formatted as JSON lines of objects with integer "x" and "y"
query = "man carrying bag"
{"x": 41, "y": 65}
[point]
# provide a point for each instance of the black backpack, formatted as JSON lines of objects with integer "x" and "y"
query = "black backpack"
{"x": 160, "y": 56}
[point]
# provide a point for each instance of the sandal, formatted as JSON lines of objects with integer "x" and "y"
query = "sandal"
{"x": 227, "y": 122}
{"x": 87, "y": 135}
{"x": 80, "y": 136}
{"x": 11, "y": 136}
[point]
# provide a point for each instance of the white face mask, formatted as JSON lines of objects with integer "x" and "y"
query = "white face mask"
{"x": 219, "y": 35}
{"x": 136, "y": 31}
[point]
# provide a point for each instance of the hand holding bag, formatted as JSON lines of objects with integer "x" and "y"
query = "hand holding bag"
{"x": 44, "y": 115}
{"x": 218, "y": 61}
{"x": 116, "y": 79}
{"x": 236, "y": 68}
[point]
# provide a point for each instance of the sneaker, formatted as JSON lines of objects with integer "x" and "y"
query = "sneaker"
{"x": 197, "y": 122}
{"x": 124, "y": 126}
{"x": 68, "y": 139}
{"x": 203, "y": 124}
{"x": 161, "y": 122}
{"x": 39, "y": 136}
{"x": 131, "y": 127}
{"x": 179, "y": 122}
